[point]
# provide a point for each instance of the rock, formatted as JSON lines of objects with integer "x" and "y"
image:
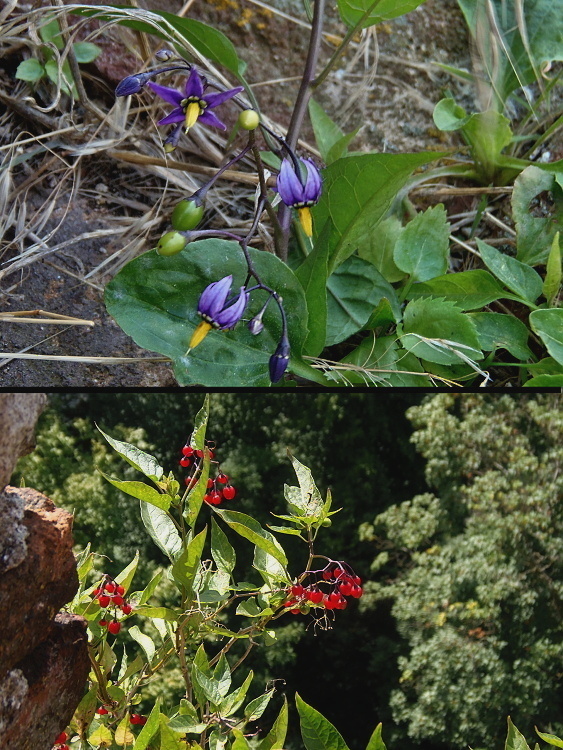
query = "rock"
{"x": 18, "y": 414}
{"x": 33, "y": 590}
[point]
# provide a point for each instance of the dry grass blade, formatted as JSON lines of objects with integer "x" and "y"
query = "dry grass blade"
{"x": 49, "y": 318}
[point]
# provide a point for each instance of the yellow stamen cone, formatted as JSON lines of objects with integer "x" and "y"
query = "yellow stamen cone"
{"x": 306, "y": 221}
{"x": 192, "y": 113}
{"x": 200, "y": 333}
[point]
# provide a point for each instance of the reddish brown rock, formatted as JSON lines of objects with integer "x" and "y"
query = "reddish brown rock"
{"x": 33, "y": 591}
{"x": 18, "y": 414}
{"x": 38, "y": 696}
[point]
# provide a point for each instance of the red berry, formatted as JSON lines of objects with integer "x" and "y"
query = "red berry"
{"x": 104, "y": 600}
{"x": 295, "y": 611}
{"x": 187, "y": 450}
{"x": 229, "y": 493}
{"x": 210, "y": 483}
{"x": 185, "y": 462}
{"x": 63, "y": 737}
{"x": 215, "y": 498}
{"x": 315, "y": 596}
{"x": 211, "y": 454}
{"x": 103, "y": 623}
{"x": 119, "y": 590}
{"x": 222, "y": 478}
{"x": 114, "y": 627}
{"x": 96, "y": 592}
{"x": 187, "y": 480}
{"x": 101, "y": 711}
{"x": 134, "y": 718}
{"x": 327, "y": 575}
{"x": 199, "y": 454}
{"x": 126, "y": 609}
{"x": 327, "y": 603}
{"x": 297, "y": 590}
{"x": 117, "y": 600}
{"x": 142, "y": 720}
{"x": 346, "y": 588}
{"x": 290, "y": 603}
{"x": 357, "y": 580}
{"x": 110, "y": 588}
{"x": 334, "y": 598}
{"x": 357, "y": 591}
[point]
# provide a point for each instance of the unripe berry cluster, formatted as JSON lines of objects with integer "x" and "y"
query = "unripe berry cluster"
{"x": 60, "y": 742}
{"x": 326, "y": 588}
{"x": 219, "y": 488}
{"x": 111, "y": 595}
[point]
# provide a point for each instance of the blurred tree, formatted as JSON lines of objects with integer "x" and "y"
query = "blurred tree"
{"x": 475, "y": 571}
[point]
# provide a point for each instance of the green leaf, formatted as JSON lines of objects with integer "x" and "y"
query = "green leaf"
{"x": 285, "y": 530}
{"x": 250, "y": 529}
{"x": 248, "y": 608}
{"x": 143, "y": 462}
{"x": 551, "y": 739}
{"x": 127, "y": 574}
{"x": 154, "y": 299}
{"x": 101, "y": 736}
{"x": 162, "y": 530}
{"x": 312, "y": 275}
{"x": 141, "y": 491}
{"x": 256, "y": 708}
{"x": 197, "y": 493}
{"x": 30, "y": 70}
{"x": 51, "y": 32}
{"x": 207, "y": 685}
{"x": 376, "y": 741}
{"x": 168, "y": 740}
{"x": 144, "y": 641}
{"x": 240, "y": 743}
{"x": 310, "y": 502}
{"x": 435, "y": 330}
{"x": 150, "y": 729}
{"x": 186, "y": 566}
{"x": 222, "y": 676}
{"x": 488, "y": 133}
{"x": 422, "y": 249}
{"x": 317, "y": 732}
{"x": 548, "y": 324}
{"x": 151, "y": 587}
{"x": 357, "y": 192}
{"x": 340, "y": 149}
{"x": 123, "y": 734}
{"x": 354, "y": 290}
{"x": 545, "y": 381}
{"x": 351, "y": 11}
{"x": 498, "y": 331}
{"x": 86, "y": 710}
{"x": 515, "y": 740}
{"x": 86, "y": 52}
{"x": 197, "y": 440}
{"x": 552, "y": 281}
{"x": 534, "y": 236}
{"x": 61, "y": 76}
{"x": 517, "y": 276}
{"x": 275, "y": 738}
{"x": 449, "y": 116}
{"x": 221, "y": 549}
{"x": 233, "y": 701}
{"x": 327, "y": 132}
{"x": 186, "y": 724}
{"x": 469, "y": 290}
{"x": 377, "y": 245}
{"x": 162, "y": 613}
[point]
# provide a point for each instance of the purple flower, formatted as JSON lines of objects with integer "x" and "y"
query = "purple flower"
{"x": 279, "y": 360}
{"x": 193, "y": 104}
{"x": 215, "y": 311}
{"x": 299, "y": 191}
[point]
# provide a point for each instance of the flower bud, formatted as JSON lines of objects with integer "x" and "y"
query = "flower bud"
{"x": 249, "y": 119}
{"x": 256, "y": 326}
{"x": 171, "y": 243}
{"x": 187, "y": 214}
{"x": 165, "y": 54}
{"x": 279, "y": 360}
{"x": 130, "y": 85}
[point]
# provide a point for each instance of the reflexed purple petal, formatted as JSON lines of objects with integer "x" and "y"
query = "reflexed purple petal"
{"x": 231, "y": 315}
{"x": 214, "y": 99}
{"x": 169, "y": 95}
{"x": 289, "y": 185}
{"x": 313, "y": 185}
{"x": 213, "y": 297}
{"x": 177, "y": 115}
{"x": 211, "y": 119}
{"x": 194, "y": 85}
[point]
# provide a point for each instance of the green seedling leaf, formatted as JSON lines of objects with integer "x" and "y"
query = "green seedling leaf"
{"x": 517, "y": 276}
{"x": 469, "y": 290}
{"x": 552, "y": 282}
{"x": 357, "y": 193}
{"x": 250, "y": 529}
{"x": 498, "y": 331}
{"x": 551, "y": 739}
{"x": 436, "y": 329}
{"x": 86, "y": 52}
{"x": 327, "y": 132}
{"x": 150, "y": 729}
{"x": 127, "y": 574}
{"x": 548, "y": 324}
{"x": 317, "y": 732}
{"x": 275, "y": 738}
{"x": 377, "y": 245}
{"x": 354, "y": 290}
{"x": 351, "y": 11}
{"x": 30, "y": 70}
{"x": 515, "y": 740}
{"x": 141, "y": 491}
{"x": 51, "y": 32}
{"x": 154, "y": 299}
{"x": 449, "y": 116}
{"x": 162, "y": 530}
{"x": 422, "y": 249}
{"x": 221, "y": 549}
{"x": 376, "y": 741}
{"x": 256, "y": 708}
{"x": 143, "y": 462}
{"x": 186, "y": 566}
{"x": 534, "y": 236}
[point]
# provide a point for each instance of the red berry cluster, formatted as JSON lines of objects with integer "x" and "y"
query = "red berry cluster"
{"x": 60, "y": 742}
{"x": 218, "y": 489}
{"x": 328, "y": 588}
{"x": 111, "y": 594}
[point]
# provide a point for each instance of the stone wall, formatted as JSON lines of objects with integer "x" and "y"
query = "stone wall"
{"x": 43, "y": 655}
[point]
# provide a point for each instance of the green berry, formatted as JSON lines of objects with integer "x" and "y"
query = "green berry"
{"x": 249, "y": 119}
{"x": 187, "y": 215}
{"x": 171, "y": 243}
{"x": 326, "y": 523}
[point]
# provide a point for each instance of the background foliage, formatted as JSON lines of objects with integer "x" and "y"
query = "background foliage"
{"x": 456, "y": 526}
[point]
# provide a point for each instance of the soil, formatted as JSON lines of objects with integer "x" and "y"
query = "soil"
{"x": 393, "y": 110}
